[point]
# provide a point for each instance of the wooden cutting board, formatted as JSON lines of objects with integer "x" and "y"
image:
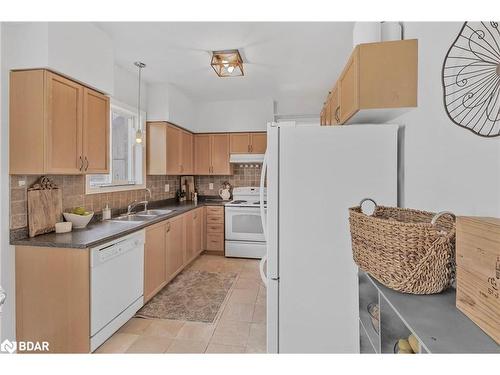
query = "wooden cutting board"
{"x": 44, "y": 210}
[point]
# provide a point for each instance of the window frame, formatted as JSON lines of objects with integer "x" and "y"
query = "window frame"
{"x": 122, "y": 107}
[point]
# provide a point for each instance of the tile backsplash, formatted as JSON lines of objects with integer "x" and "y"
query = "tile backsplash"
{"x": 73, "y": 195}
{"x": 73, "y": 191}
{"x": 244, "y": 175}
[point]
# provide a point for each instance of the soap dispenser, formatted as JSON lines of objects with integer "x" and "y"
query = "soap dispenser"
{"x": 106, "y": 212}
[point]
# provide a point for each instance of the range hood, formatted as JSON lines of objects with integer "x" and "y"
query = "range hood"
{"x": 246, "y": 158}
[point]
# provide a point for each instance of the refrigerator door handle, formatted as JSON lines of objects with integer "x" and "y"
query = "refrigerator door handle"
{"x": 263, "y": 217}
{"x": 263, "y": 275}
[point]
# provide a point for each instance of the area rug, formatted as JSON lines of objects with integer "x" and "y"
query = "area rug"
{"x": 193, "y": 296}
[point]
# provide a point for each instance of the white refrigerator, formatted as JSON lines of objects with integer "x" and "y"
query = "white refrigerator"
{"x": 314, "y": 174}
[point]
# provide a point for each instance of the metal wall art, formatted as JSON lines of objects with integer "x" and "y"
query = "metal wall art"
{"x": 471, "y": 79}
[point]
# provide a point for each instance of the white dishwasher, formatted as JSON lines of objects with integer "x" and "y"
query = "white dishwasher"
{"x": 116, "y": 285}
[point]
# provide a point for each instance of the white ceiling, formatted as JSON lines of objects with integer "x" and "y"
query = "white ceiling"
{"x": 290, "y": 59}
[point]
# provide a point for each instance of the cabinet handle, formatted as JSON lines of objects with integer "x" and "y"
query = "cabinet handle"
{"x": 86, "y": 163}
{"x": 168, "y": 227}
{"x": 337, "y": 114}
{"x": 248, "y": 148}
{"x": 81, "y": 163}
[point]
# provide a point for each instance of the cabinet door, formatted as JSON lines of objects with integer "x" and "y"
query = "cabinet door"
{"x": 156, "y": 148}
{"x": 174, "y": 147}
{"x": 202, "y": 154}
{"x": 349, "y": 90}
{"x": 63, "y": 153}
{"x": 322, "y": 115}
{"x": 174, "y": 246}
{"x": 154, "y": 260}
{"x": 258, "y": 143}
{"x": 220, "y": 154}
{"x": 198, "y": 230}
{"x": 334, "y": 106}
{"x": 189, "y": 235}
{"x": 328, "y": 111}
{"x": 187, "y": 153}
{"x": 240, "y": 143}
{"x": 95, "y": 132}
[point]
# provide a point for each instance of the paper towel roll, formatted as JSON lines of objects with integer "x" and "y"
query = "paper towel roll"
{"x": 366, "y": 32}
{"x": 391, "y": 31}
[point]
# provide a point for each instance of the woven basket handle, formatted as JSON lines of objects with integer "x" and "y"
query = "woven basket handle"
{"x": 439, "y": 214}
{"x": 364, "y": 200}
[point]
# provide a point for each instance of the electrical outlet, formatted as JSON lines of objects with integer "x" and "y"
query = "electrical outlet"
{"x": 211, "y": 186}
{"x": 167, "y": 188}
{"x": 21, "y": 183}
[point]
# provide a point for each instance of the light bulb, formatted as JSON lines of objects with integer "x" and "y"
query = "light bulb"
{"x": 138, "y": 136}
{"x": 230, "y": 69}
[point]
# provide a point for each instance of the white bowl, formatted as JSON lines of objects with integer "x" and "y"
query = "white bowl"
{"x": 79, "y": 221}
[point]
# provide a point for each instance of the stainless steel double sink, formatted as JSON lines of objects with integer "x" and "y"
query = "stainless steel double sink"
{"x": 141, "y": 216}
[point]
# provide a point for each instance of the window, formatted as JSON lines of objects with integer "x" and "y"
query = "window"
{"x": 128, "y": 168}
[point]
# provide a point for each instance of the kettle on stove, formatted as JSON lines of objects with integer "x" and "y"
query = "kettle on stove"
{"x": 225, "y": 191}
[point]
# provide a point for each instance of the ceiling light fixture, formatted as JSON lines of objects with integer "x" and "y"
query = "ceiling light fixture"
{"x": 138, "y": 134}
{"x": 227, "y": 63}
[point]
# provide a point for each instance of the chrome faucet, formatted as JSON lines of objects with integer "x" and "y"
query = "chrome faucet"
{"x": 134, "y": 204}
{"x": 148, "y": 191}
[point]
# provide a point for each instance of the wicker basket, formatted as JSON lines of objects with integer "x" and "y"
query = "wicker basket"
{"x": 407, "y": 250}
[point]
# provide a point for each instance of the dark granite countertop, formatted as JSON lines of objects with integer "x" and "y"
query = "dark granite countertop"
{"x": 103, "y": 231}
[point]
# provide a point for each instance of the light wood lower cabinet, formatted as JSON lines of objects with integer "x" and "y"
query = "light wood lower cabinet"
{"x": 175, "y": 248}
{"x": 53, "y": 297}
{"x": 214, "y": 219}
{"x": 155, "y": 263}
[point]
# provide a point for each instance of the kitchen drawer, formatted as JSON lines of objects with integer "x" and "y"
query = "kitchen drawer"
{"x": 215, "y": 228}
{"x": 215, "y": 219}
{"x": 215, "y": 241}
{"x": 215, "y": 210}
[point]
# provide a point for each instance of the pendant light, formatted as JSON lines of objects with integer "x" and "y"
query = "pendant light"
{"x": 139, "y": 134}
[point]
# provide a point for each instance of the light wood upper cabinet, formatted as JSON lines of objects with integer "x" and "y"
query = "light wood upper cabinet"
{"x": 63, "y": 137}
{"x": 187, "y": 153}
{"x": 169, "y": 149}
{"x": 202, "y": 154}
{"x": 57, "y": 126}
{"x": 248, "y": 143}
{"x": 175, "y": 246}
{"x": 258, "y": 143}
{"x": 156, "y": 148}
{"x": 155, "y": 263}
{"x": 211, "y": 154}
{"x": 174, "y": 150}
{"x": 220, "y": 154}
{"x": 95, "y": 132}
{"x": 381, "y": 76}
{"x": 239, "y": 143}
{"x": 348, "y": 83}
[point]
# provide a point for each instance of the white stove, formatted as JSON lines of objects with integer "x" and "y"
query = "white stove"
{"x": 247, "y": 197}
{"x": 243, "y": 229}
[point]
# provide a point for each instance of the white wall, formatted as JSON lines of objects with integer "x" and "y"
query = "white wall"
{"x": 125, "y": 87}
{"x": 234, "y": 115}
{"x": 7, "y": 276}
{"x": 446, "y": 167}
{"x": 79, "y": 50}
{"x": 167, "y": 103}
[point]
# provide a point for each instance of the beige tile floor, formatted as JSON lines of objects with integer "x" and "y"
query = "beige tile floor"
{"x": 240, "y": 326}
